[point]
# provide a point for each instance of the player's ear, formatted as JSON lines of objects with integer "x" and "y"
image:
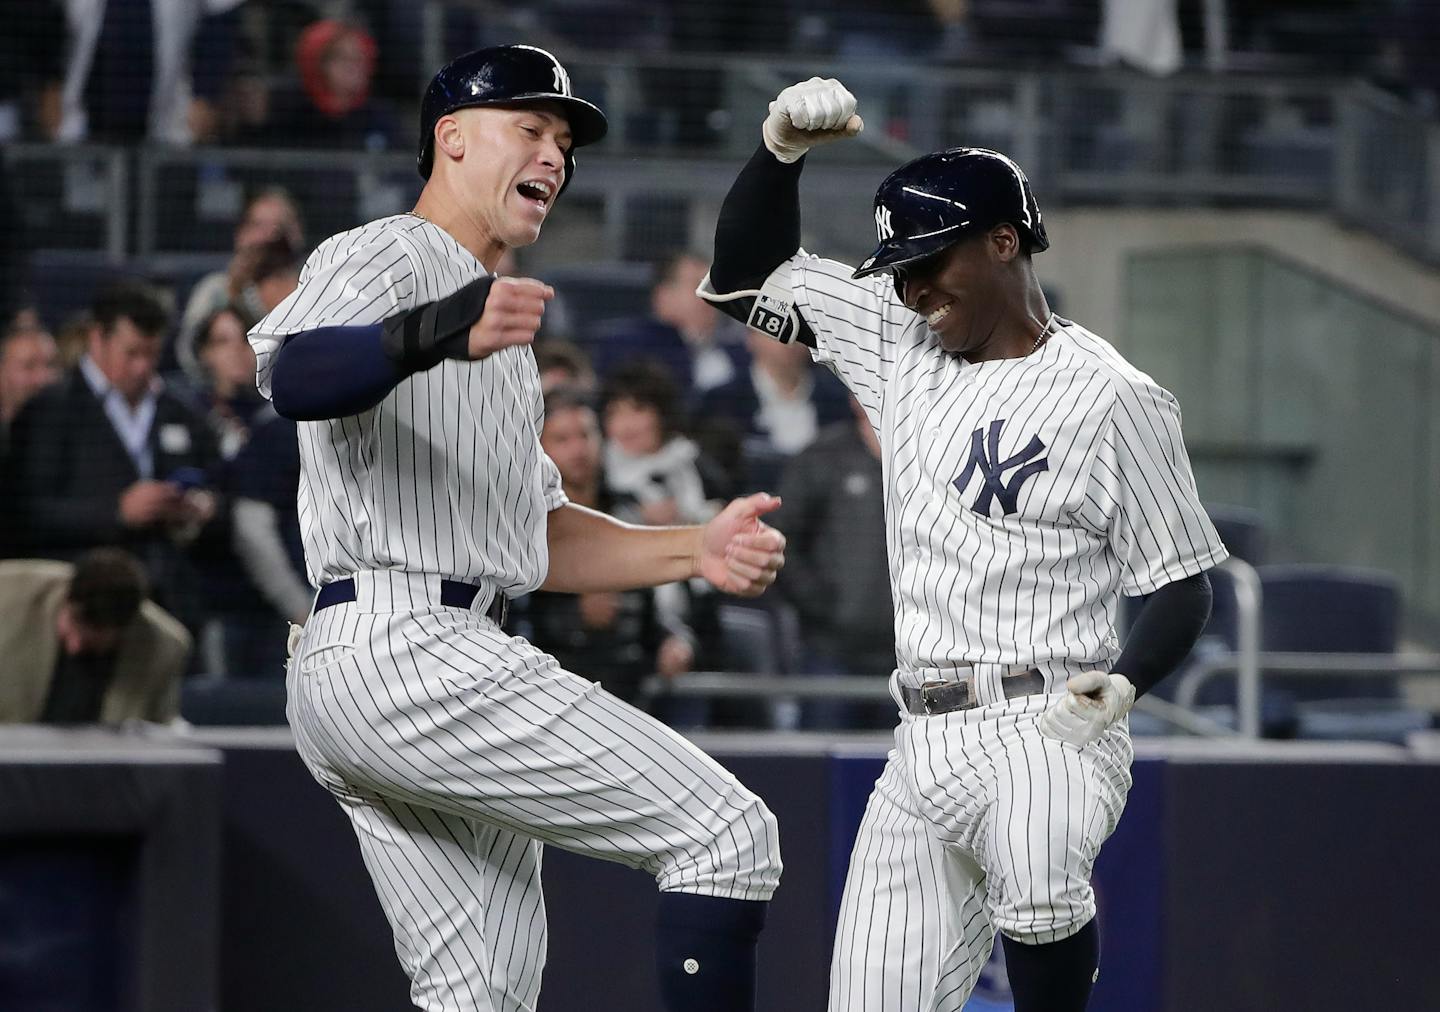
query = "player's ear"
{"x": 1004, "y": 242}
{"x": 449, "y": 137}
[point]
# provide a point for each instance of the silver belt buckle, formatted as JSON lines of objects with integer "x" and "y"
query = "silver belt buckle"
{"x": 948, "y": 696}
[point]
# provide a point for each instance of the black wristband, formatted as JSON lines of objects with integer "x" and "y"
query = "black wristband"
{"x": 419, "y": 338}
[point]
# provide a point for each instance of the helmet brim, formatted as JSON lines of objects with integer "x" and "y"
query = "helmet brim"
{"x": 894, "y": 253}
{"x": 587, "y": 123}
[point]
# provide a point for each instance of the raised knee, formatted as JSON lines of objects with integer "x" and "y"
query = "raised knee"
{"x": 738, "y": 858}
{"x": 1041, "y": 920}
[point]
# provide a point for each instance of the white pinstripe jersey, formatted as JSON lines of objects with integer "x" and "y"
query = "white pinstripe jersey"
{"x": 1020, "y": 494}
{"x": 446, "y": 474}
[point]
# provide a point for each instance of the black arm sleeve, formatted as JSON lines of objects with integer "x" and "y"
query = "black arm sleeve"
{"x": 759, "y": 224}
{"x": 1169, "y": 623}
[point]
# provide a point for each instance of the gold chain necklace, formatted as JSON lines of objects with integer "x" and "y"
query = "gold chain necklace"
{"x": 1040, "y": 337}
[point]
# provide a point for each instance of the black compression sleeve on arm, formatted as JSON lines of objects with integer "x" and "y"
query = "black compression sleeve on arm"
{"x": 759, "y": 224}
{"x": 1169, "y": 623}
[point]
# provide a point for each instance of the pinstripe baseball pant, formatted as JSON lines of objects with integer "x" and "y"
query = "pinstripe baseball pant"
{"x": 457, "y": 750}
{"x": 978, "y": 823}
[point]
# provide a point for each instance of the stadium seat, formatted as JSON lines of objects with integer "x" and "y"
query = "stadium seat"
{"x": 1333, "y": 609}
{"x": 1329, "y": 609}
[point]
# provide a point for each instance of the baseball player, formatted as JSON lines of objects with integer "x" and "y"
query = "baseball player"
{"x": 425, "y": 503}
{"x": 1032, "y": 476}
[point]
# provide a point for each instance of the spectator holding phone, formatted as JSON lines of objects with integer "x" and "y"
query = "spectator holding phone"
{"x": 108, "y": 456}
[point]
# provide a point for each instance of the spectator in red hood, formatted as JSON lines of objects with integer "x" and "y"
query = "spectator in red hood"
{"x": 330, "y": 105}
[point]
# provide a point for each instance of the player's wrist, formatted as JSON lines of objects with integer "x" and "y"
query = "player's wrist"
{"x": 786, "y": 152}
{"x": 696, "y": 551}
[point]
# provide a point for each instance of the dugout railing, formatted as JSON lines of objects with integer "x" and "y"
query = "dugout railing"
{"x": 1248, "y": 663}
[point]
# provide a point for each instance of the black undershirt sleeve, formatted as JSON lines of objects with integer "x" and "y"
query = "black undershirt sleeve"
{"x": 758, "y": 228}
{"x": 1169, "y": 623}
{"x": 759, "y": 224}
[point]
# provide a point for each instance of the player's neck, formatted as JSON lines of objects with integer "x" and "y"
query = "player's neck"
{"x": 450, "y": 217}
{"x": 1021, "y": 329}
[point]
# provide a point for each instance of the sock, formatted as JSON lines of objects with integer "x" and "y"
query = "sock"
{"x": 1056, "y": 976}
{"x": 705, "y": 952}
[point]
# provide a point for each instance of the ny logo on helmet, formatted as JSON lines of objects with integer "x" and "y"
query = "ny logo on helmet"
{"x": 562, "y": 80}
{"x": 882, "y": 222}
{"x": 985, "y": 456}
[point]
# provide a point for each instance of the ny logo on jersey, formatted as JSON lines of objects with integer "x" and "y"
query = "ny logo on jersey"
{"x": 882, "y": 222}
{"x": 985, "y": 457}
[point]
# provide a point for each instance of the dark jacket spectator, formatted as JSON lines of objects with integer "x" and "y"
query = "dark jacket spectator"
{"x": 80, "y": 644}
{"x": 770, "y": 411}
{"x": 108, "y": 456}
{"x": 264, "y": 486}
{"x": 836, "y": 574}
{"x": 698, "y": 347}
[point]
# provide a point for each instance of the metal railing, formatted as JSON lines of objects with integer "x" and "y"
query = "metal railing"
{"x": 1308, "y": 665}
{"x": 1248, "y": 662}
{"x": 1084, "y": 136}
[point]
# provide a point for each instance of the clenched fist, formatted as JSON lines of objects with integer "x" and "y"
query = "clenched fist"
{"x": 809, "y": 113}
{"x": 513, "y": 310}
{"x": 1093, "y": 701}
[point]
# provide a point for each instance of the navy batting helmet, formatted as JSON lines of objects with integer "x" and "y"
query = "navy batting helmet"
{"x": 506, "y": 75}
{"x": 938, "y": 199}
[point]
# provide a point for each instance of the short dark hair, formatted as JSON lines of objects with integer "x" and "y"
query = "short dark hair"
{"x": 567, "y": 398}
{"x": 650, "y": 384}
{"x": 664, "y": 267}
{"x": 274, "y": 192}
{"x": 202, "y": 332}
{"x": 107, "y": 588}
{"x": 140, "y": 303}
{"x": 556, "y": 354}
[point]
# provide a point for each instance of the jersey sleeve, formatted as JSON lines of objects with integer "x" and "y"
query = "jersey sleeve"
{"x": 1157, "y": 527}
{"x": 342, "y": 284}
{"x": 555, "y": 496}
{"x": 854, "y": 327}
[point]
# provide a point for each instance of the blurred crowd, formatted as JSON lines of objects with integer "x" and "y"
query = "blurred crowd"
{"x": 132, "y": 439}
{"x": 345, "y": 75}
{"x": 150, "y": 531}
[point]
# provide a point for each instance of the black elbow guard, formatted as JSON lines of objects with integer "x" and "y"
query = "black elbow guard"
{"x": 419, "y": 338}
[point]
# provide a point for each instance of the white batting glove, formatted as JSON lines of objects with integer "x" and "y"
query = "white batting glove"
{"x": 1094, "y": 701}
{"x": 809, "y": 113}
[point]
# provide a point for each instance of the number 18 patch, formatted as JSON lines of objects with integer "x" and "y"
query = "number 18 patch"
{"x": 773, "y": 317}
